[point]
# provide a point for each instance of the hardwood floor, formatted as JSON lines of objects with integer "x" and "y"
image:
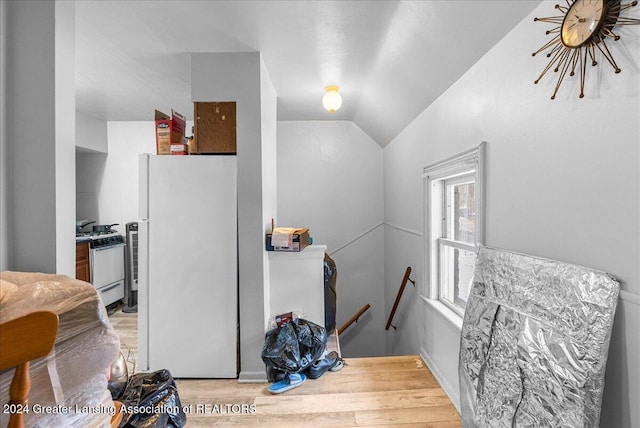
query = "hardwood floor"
{"x": 378, "y": 391}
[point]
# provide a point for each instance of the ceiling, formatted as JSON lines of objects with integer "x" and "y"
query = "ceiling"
{"x": 391, "y": 59}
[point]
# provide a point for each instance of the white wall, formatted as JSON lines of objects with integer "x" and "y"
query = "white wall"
{"x": 238, "y": 77}
{"x": 330, "y": 180}
{"x": 65, "y": 137}
{"x": 4, "y": 164}
{"x": 91, "y": 133}
{"x": 563, "y": 182}
{"x": 40, "y": 136}
{"x": 107, "y": 185}
{"x": 269, "y": 125}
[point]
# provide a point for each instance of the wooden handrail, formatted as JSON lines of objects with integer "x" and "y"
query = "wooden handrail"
{"x": 400, "y": 291}
{"x": 354, "y": 318}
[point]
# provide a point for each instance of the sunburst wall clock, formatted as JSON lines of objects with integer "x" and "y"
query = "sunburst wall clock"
{"x": 581, "y": 32}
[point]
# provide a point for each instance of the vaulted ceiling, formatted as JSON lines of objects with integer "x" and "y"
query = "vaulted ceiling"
{"x": 391, "y": 59}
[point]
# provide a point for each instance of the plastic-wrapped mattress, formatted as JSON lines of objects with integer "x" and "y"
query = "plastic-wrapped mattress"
{"x": 68, "y": 387}
{"x": 534, "y": 342}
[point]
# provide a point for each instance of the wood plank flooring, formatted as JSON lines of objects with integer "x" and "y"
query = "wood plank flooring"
{"x": 367, "y": 392}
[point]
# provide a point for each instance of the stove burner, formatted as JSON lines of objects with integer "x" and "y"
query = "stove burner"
{"x": 106, "y": 240}
{"x": 95, "y": 234}
{"x": 102, "y": 239}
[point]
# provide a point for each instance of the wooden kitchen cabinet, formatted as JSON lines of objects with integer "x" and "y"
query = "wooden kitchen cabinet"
{"x": 83, "y": 270}
{"x": 214, "y": 128}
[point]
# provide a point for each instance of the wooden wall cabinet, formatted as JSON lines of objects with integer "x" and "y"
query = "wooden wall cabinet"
{"x": 214, "y": 128}
{"x": 83, "y": 271}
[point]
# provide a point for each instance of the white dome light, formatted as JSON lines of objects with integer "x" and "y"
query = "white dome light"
{"x": 331, "y": 100}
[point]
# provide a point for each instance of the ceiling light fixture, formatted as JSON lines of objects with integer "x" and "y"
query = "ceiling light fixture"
{"x": 331, "y": 100}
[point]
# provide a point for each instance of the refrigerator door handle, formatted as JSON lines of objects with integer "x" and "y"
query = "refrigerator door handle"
{"x": 143, "y": 294}
{"x": 143, "y": 180}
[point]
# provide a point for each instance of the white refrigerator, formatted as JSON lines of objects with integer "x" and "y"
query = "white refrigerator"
{"x": 188, "y": 258}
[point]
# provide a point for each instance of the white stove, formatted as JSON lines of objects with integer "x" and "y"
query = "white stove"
{"x": 106, "y": 261}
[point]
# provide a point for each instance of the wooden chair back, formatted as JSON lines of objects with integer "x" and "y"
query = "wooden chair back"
{"x": 21, "y": 341}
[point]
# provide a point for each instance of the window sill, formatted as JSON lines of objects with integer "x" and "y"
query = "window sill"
{"x": 447, "y": 313}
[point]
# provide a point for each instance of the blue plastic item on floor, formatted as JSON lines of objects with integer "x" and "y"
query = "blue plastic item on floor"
{"x": 289, "y": 382}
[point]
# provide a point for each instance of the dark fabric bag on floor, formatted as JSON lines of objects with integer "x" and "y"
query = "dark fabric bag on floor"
{"x": 293, "y": 346}
{"x": 330, "y": 295}
{"x": 155, "y": 396}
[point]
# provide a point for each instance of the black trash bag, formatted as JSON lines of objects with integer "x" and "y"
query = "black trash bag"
{"x": 293, "y": 347}
{"x": 151, "y": 400}
{"x": 330, "y": 276}
{"x": 116, "y": 388}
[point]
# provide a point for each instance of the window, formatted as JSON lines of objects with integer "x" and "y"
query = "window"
{"x": 454, "y": 227}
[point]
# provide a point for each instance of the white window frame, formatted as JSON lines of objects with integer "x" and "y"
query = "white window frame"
{"x": 462, "y": 164}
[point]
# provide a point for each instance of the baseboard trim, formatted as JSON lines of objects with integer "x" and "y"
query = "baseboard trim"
{"x": 252, "y": 377}
{"x": 446, "y": 387}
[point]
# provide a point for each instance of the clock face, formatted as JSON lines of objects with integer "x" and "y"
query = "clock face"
{"x": 581, "y": 33}
{"x": 582, "y": 20}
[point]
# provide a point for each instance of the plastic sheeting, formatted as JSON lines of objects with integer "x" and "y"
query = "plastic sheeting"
{"x": 68, "y": 387}
{"x": 534, "y": 342}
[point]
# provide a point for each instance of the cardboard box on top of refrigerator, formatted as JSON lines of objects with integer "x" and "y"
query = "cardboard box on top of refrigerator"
{"x": 180, "y": 149}
{"x": 170, "y": 133}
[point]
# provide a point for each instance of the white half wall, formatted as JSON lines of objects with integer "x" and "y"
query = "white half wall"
{"x": 268, "y": 148}
{"x": 330, "y": 180}
{"x": 39, "y": 50}
{"x": 562, "y": 182}
{"x": 4, "y": 164}
{"x": 65, "y": 137}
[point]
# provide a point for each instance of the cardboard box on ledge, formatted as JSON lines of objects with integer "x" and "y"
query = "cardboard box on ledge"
{"x": 298, "y": 239}
{"x": 170, "y": 133}
{"x": 179, "y": 149}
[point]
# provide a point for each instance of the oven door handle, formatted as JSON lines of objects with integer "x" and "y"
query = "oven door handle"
{"x": 105, "y": 289}
{"x": 108, "y": 247}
